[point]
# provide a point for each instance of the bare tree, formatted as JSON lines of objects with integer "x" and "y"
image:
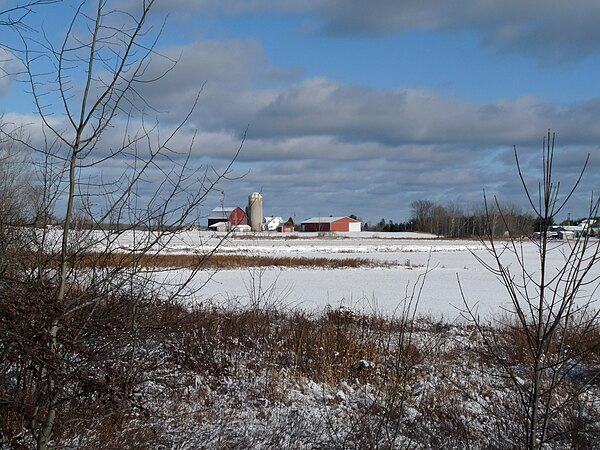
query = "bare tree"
{"x": 422, "y": 211}
{"x": 14, "y": 15}
{"x": 73, "y": 315}
{"x": 553, "y": 311}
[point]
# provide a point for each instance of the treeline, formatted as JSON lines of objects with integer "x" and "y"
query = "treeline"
{"x": 388, "y": 226}
{"x": 451, "y": 220}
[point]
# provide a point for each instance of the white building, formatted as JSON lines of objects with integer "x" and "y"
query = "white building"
{"x": 270, "y": 223}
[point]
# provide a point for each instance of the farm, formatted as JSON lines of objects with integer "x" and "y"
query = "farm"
{"x": 435, "y": 284}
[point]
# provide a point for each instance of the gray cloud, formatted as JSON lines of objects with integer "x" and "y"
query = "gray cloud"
{"x": 309, "y": 175}
{"x": 242, "y": 88}
{"x": 552, "y": 31}
{"x": 394, "y": 117}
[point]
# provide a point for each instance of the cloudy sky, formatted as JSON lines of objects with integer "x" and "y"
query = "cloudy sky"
{"x": 355, "y": 107}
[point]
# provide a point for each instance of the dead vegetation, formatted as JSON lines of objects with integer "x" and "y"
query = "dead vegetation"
{"x": 262, "y": 376}
{"x": 220, "y": 261}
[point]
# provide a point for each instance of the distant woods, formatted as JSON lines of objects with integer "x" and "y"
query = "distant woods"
{"x": 451, "y": 220}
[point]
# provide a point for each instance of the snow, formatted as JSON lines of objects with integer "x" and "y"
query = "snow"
{"x": 439, "y": 265}
{"x": 373, "y": 290}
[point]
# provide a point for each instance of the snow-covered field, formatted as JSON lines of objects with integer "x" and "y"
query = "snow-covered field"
{"x": 443, "y": 263}
{"x": 251, "y": 378}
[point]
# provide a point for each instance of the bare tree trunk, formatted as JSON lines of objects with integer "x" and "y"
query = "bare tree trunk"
{"x": 543, "y": 303}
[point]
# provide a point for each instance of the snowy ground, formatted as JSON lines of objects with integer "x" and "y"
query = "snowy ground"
{"x": 248, "y": 379}
{"x": 443, "y": 263}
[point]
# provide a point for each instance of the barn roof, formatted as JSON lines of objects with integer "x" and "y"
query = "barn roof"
{"x": 222, "y": 212}
{"x": 224, "y": 209}
{"x": 326, "y": 219}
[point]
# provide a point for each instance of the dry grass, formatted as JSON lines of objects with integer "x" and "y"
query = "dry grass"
{"x": 581, "y": 341}
{"x": 220, "y": 261}
{"x": 325, "y": 348}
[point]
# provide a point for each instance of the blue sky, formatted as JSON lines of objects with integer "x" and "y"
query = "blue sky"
{"x": 357, "y": 107}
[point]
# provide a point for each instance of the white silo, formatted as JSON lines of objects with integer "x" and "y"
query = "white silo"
{"x": 255, "y": 211}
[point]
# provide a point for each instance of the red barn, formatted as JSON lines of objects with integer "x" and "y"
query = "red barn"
{"x": 330, "y": 224}
{"x": 236, "y": 216}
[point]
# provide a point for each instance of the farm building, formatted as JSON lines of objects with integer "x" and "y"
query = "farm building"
{"x": 271, "y": 223}
{"x": 229, "y": 226}
{"x": 336, "y": 224}
{"x": 233, "y": 215}
{"x": 287, "y": 226}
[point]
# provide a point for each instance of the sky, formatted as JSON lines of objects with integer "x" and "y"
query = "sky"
{"x": 354, "y": 107}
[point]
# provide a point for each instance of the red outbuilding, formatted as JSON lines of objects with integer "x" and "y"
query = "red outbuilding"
{"x": 285, "y": 228}
{"x": 330, "y": 224}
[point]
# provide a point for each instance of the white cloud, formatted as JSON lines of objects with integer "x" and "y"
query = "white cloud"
{"x": 9, "y": 67}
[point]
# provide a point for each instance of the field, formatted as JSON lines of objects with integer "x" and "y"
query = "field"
{"x": 393, "y": 264}
{"x": 306, "y": 341}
